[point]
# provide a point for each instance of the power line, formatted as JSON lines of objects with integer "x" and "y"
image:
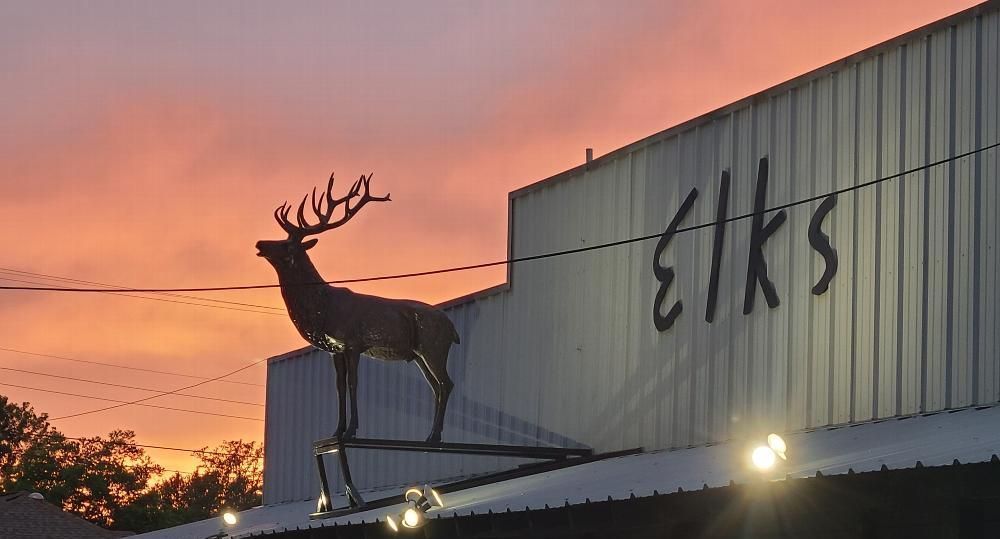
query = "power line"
{"x": 124, "y": 403}
{"x": 144, "y": 399}
{"x": 531, "y": 257}
{"x": 116, "y": 287}
{"x": 147, "y": 446}
{"x": 120, "y": 287}
{"x": 165, "y": 300}
{"x": 64, "y": 358}
{"x": 126, "y": 386}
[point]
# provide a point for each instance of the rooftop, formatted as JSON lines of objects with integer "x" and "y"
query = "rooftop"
{"x": 967, "y": 435}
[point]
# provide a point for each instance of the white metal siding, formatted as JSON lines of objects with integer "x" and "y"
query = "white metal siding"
{"x": 569, "y": 354}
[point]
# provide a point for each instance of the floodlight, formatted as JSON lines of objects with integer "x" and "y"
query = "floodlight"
{"x": 418, "y": 502}
{"x": 229, "y": 518}
{"x": 436, "y": 497}
{"x": 777, "y": 443}
{"x": 763, "y": 457}
{"x": 412, "y": 518}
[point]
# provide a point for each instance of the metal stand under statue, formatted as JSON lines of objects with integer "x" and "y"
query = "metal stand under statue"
{"x": 347, "y": 325}
{"x": 558, "y": 457}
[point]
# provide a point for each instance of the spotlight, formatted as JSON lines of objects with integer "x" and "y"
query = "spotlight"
{"x": 763, "y": 458}
{"x": 229, "y": 519}
{"x": 437, "y": 498}
{"x": 777, "y": 444}
{"x": 412, "y": 518}
{"x": 418, "y": 502}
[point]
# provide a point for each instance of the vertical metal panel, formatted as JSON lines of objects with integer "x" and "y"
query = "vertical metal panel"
{"x": 569, "y": 354}
{"x": 988, "y": 169}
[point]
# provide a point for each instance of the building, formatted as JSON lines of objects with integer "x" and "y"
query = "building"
{"x": 25, "y": 515}
{"x": 830, "y": 259}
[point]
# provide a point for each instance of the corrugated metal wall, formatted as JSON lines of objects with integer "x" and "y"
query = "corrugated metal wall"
{"x": 570, "y": 355}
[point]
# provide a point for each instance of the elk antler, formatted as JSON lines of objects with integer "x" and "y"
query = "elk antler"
{"x": 302, "y": 228}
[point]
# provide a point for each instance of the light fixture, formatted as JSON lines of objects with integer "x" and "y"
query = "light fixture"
{"x": 777, "y": 444}
{"x": 418, "y": 502}
{"x": 229, "y": 519}
{"x": 764, "y": 457}
{"x": 412, "y": 518}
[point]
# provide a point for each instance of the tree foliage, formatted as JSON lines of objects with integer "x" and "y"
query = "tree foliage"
{"x": 230, "y": 476}
{"x": 112, "y": 482}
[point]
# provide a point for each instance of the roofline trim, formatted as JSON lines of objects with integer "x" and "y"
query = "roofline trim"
{"x": 885, "y": 46}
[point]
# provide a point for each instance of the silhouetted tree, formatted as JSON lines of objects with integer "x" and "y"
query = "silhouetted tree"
{"x": 110, "y": 481}
{"x": 92, "y": 477}
{"x": 230, "y": 476}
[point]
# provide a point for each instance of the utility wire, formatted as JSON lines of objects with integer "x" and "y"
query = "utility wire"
{"x": 127, "y": 386}
{"x": 531, "y": 257}
{"x": 50, "y": 277}
{"x": 147, "y": 446}
{"x": 124, "y": 403}
{"x": 144, "y": 399}
{"x": 64, "y": 358}
{"x": 165, "y": 300}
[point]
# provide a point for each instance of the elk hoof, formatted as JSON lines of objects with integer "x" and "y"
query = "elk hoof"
{"x": 339, "y": 433}
{"x": 434, "y": 437}
{"x": 349, "y": 433}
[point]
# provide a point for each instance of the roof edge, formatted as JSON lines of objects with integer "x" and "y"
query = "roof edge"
{"x": 474, "y": 296}
{"x": 879, "y": 48}
{"x": 291, "y": 354}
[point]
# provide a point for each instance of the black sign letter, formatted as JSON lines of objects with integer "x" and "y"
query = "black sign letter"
{"x": 666, "y": 275}
{"x": 757, "y": 266}
{"x": 821, "y": 243}
{"x": 720, "y": 235}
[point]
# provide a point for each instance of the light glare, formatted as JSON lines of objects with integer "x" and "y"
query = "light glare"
{"x": 229, "y": 518}
{"x": 417, "y": 493}
{"x": 763, "y": 457}
{"x": 411, "y": 518}
{"x": 437, "y": 498}
{"x": 392, "y": 523}
{"x": 777, "y": 443}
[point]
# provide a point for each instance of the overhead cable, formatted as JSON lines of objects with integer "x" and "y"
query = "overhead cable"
{"x": 120, "y": 287}
{"x": 148, "y": 446}
{"x": 165, "y": 300}
{"x": 144, "y": 399}
{"x": 124, "y": 403}
{"x": 531, "y": 257}
{"x": 140, "y": 369}
{"x": 75, "y": 379}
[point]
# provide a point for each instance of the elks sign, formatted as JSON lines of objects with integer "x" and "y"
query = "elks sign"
{"x": 756, "y": 264}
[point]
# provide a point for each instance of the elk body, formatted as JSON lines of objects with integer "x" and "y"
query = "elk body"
{"x": 346, "y": 324}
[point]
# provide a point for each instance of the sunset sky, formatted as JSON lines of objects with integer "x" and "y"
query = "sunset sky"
{"x": 146, "y": 144}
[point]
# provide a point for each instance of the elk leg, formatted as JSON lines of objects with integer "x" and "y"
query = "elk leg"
{"x": 340, "y": 364}
{"x": 437, "y": 376}
{"x": 353, "y": 358}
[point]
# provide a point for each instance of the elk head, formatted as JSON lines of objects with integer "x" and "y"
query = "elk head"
{"x": 283, "y": 253}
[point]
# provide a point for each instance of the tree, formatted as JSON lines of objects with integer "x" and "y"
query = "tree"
{"x": 20, "y": 428}
{"x": 92, "y": 477}
{"x": 110, "y": 481}
{"x": 230, "y": 476}
{"x": 107, "y": 475}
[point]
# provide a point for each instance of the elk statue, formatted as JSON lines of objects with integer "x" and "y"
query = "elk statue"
{"x": 346, "y": 324}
